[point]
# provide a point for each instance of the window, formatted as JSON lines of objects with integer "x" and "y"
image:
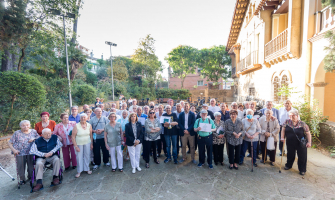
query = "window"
{"x": 199, "y": 69}
{"x": 284, "y": 82}
{"x": 276, "y": 87}
{"x": 200, "y": 83}
{"x": 252, "y": 92}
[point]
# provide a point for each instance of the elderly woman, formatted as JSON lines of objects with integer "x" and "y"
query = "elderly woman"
{"x": 113, "y": 141}
{"x": 152, "y": 134}
{"x": 269, "y": 128}
{"x": 251, "y": 129}
{"x": 134, "y": 139}
{"x": 296, "y": 132}
{"x": 218, "y": 139}
{"x": 88, "y": 112}
{"x": 20, "y": 144}
{"x": 234, "y": 134}
{"x": 240, "y": 111}
{"x": 45, "y": 123}
{"x": 83, "y": 143}
{"x": 63, "y": 130}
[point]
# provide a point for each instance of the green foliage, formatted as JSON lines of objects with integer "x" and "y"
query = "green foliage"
{"x": 101, "y": 72}
{"x": 91, "y": 78}
{"x": 329, "y": 60}
{"x": 101, "y": 63}
{"x": 174, "y": 94}
{"x": 85, "y": 94}
{"x": 311, "y": 114}
{"x": 120, "y": 71}
{"x": 332, "y": 150}
{"x": 182, "y": 60}
{"x": 330, "y": 3}
{"x": 287, "y": 91}
{"x": 213, "y": 62}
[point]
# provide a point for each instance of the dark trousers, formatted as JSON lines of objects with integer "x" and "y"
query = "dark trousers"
{"x": 245, "y": 146}
{"x": 271, "y": 153}
{"x": 178, "y": 144}
{"x": 195, "y": 143}
{"x": 205, "y": 144}
{"x": 159, "y": 143}
{"x": 218, "y": 152}
{"x": 292, "y": 149}
{"x": 234, "y": 153}
{"x": 147, "y": 147}
{"x": 97, "y": 145}
{"x": 280, "y": 142}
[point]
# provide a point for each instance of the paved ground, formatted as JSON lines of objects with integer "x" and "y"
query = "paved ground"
{"x": 184, "y": 181}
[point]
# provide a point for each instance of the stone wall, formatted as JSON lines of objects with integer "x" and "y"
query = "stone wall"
{"x": 221, "y": 95}
{"x": 327, "y": 135}
{"x": 4, "y": 142}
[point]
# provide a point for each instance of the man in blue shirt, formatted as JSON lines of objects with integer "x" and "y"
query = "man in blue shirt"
{"x": 75, "y": 117}
{"x": 269, "y": 105}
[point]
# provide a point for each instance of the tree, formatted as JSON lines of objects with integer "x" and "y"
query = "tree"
{"x": 14, "y": 85}
{"x": 329, "y": 60}
{"x": 120, "y": 71}
{"x": 182, "y": 60}
{"x": 213, "y": 61}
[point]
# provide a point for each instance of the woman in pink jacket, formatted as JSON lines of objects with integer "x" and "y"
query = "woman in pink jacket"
{"x": 63, "y": 130}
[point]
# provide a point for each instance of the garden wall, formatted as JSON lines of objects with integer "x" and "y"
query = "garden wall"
{"x": 221, "y": 95}
{"x": 327, "y": 134}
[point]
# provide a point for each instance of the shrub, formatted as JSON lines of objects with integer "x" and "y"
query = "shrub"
{"x": 91, "y": 78}
{"x": 174, "y": 94}
{"x": 85, "y": 94}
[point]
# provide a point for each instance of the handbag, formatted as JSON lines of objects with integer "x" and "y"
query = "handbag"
{"x": 303, "y": 141}
{"x": 270, "y": 145}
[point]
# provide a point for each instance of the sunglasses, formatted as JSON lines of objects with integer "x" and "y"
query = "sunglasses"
{"x": 151, "y": 113}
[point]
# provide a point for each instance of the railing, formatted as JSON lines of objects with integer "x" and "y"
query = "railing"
{"x": 249, "y": 60}
{"x": 276, "y": 44}
{"x": 233, "y": 71}
{"x": 324, "y": 19}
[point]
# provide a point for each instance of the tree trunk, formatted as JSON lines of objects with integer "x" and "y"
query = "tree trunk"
{"x": 11, "y": 112}
{"x": 21, "y": 59}
{"x": 182, "y": 83}
{"x": 6, "y": 61}
{"x": 75, "y": 24}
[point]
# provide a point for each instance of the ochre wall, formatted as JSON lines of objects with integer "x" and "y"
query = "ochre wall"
{"x": 330, "y": 96}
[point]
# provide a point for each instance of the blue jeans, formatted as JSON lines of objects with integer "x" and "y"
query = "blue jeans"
{"x": 244, "y": 148}
{"x": 168, "y": 139}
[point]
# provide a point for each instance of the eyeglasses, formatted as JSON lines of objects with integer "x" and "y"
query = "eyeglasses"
{"x": 151, "y": 113}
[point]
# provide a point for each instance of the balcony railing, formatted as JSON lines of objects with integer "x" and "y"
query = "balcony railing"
{"x": 277, "y": 44}
{"x": 233, "y": 71}
{"x": 325, "y": 19}
{"x": 248, "y": 61}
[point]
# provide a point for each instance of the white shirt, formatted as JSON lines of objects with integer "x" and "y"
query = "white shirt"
{"x": 186, "y": 120}
{"x": 158, "y": 117}
{"x": 283, "y": 115}
{"x": 67, "y": 132}
{"x": 214, "y": 108}
{"x": 240, "y": 114}
{"x": 131, "y": 108}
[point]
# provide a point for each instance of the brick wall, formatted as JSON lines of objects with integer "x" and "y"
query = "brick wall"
{"x": 190, "y": 81}
{"x": 221, "y": 95}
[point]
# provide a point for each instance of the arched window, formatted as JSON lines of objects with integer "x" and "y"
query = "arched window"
{"x": 276, "y": 86}
{"x": 284, "y": 82}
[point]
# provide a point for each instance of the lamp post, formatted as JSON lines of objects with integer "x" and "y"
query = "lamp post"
{"x": 110, "y": 48}
{"x": 69, "y": 15}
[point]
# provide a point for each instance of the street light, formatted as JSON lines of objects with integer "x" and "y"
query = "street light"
{"x": 110, "y": 47}
{"x": 69, "y": 15}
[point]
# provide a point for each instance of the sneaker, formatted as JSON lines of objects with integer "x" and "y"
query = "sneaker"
{"x": 107, "y": 164}
{"x": 194, "y": 162}
{"x": 175, "y": 161}
{"x": 167, "y": 160}
{"x": 139, "y": 169}
{"x": 210, "y": 166}
{"x": 95, "y": 167}
{"x": 134, "y": 170}
{"x": 200, "y": 165}
{"x": 181, "y": 160}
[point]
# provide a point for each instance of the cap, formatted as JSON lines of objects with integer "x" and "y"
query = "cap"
{"x": 203, "y": 111}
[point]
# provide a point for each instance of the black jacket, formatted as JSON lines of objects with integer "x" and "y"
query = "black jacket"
{"x": 181, "y": 123}
{"x": 130, "y": 137}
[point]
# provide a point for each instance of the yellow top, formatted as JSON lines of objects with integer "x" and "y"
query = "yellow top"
{"x": 83, "y": 135}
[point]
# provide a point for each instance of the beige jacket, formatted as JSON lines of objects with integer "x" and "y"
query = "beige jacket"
{"x": 274, "y": 128}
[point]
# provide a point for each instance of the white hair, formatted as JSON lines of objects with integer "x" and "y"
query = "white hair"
{"x": 294, "y": 112}
{"x": 23, "y": 122}
{"x": 74, "y": 107}
{"x": 83, "y": 115}
{"x": 97, "y": 109}
{"x": 268, "y": 110}
{"x": 249, "y": 110}
{"x": 233, "y": 103}
{"x": 46, "y": 130}
{"x": 167, "y": 106}
{"x": 145, "y": 106}
{"x": 113, "y": 109}
{"x": 266, "y": 103}
{"x": 112, "y": 113}
{"x": 125, "y": 111}
{"x": 134, "y": 100}
{"x": 178, "y": 104}
{"x": 217, "y": 114}
{"x": 114, "y": 104}
{"x": 182, "y": 102}
{"x": 139, "y": 107}
{"x": 124, "y": 104}
{"x": 101, "y": 105}
{"x": 212, "y": 99}
{"x": 246, "y": 102}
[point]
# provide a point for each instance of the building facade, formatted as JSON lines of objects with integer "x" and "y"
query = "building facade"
{"x": 280, "y": 43}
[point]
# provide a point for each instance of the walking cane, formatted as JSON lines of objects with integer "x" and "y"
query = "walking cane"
{"x": 17, "y": 174}
{"x": 13, "y": 179}
{"x": 265, "y": 150}
{"x": 282, "y": 157}
{"x": 252, "y": 156}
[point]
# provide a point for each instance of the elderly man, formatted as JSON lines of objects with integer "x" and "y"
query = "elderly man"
{"x": 205, "y": 139}
{"x": 283, "y": 116}
{"x": 173, "y": 108}
{"x": 123, "y": 108}
{"x": 224, "y": 113}
{"x": 152, "y": 105}
{"x": 114, "y": 106}
{"x": 182, "y": 103}
{"x": 134, "y": 104}
{"x": 85, "y": 106}
{"x": 146, "y": 110}
{"x": 98, "y": 124}
{"x": 178, "y": 111}
{"x": 269, "y": 105}
{"x": 246, "y": 107}
{"x": 210, "y": 114}
{"x": 75, "y": 116}
{"x": 213, "y": 107}
{"x": 45, "y": 149}
{"x": 170, "y": 134}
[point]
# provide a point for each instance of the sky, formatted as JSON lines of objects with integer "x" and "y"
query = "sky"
{"x": 198, "y": 23}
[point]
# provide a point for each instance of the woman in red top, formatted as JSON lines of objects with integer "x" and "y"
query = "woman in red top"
{"x": 45, "y": 123}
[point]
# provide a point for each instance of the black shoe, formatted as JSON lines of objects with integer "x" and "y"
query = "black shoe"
{"x": 216, "y": 163}
{"x": 280, "y": 154}
{"x": 249, "y": 155}
{"x": 302, "y": 173}
{"x": 272, "y": 164}
{"x": 262, "y": 161}
{"x": 257, "y": 157}
{"x": 74, "y": 167}
{"x": 230, "y": 167}
{"x": 175, "y": 161}
{"x": 236, "y": 168}
{"x": 240, "y": 163}
{"x": 255, "y": 165}
{"x": 22, "y": 182}
{"x": 287, "y": 168}
{"x": 67, "y": 168}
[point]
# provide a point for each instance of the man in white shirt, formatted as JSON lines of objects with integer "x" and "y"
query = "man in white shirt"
{"x": 283, "y": 116}
{"x": 123, "y": 107}
{"x": 213, "y": 107}
{"x": 134, "y": 105}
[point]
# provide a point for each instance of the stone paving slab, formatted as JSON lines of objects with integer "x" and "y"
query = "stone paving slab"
{"x": 185, "y": 181}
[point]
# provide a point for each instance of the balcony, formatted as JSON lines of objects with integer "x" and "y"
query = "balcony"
{"x": 233, "y": 72}
{"x": 324, "y": 21}
{"x": 276, "y": 47}
{"x": 248, "y": 64}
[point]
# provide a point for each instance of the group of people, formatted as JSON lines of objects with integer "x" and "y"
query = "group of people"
{"x": 82, "y": 136}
